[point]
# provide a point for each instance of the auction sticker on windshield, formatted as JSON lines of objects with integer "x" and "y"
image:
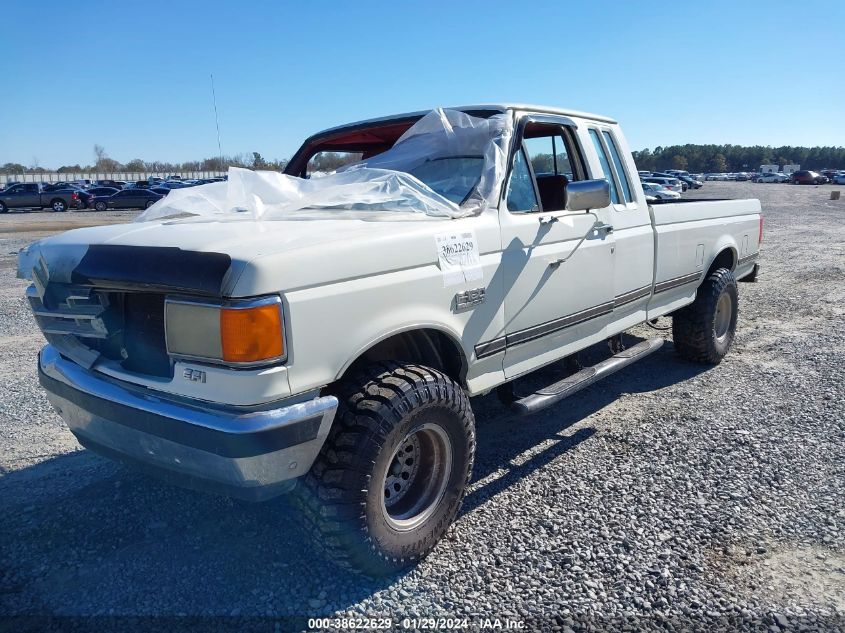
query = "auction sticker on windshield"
{"x": 457, "y": 255}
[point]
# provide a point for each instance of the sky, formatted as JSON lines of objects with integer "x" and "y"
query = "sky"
{"x": 135, "y": 78}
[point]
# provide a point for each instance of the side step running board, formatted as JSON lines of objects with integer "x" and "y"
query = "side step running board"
{"x": 556, "y": 392}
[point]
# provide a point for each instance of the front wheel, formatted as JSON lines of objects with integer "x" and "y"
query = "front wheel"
{"x": 149, "y": 203}
{"x": 391, "y": 475}
{"x": 100, "y": 206}
{"x": 704, "y": 330}
{"x": 3, "y": 207}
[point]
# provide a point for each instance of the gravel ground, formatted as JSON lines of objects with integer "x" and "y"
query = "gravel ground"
{"x": 669, "y": 495}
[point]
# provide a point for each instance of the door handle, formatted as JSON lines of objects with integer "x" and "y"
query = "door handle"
{"x": 607, "y": 228}
{"x": 550, "y": 219}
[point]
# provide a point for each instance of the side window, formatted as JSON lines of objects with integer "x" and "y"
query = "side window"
{"x": 549, "y": 156}
{"x": 620, "y": 169}
{"x": 605, "y": 166}
{"x": 15, "y": 189}
{"x": 31, "y": 188}
{"x": 521, "y": 195}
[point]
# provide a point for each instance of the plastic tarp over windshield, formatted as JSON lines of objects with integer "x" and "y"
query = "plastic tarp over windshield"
{"x": 448, "y": 165}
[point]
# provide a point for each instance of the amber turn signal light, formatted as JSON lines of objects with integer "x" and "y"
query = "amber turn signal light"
{"x": 251, "y": 334}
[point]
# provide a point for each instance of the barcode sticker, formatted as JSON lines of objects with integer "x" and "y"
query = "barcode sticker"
{"x": 458, "y": 257}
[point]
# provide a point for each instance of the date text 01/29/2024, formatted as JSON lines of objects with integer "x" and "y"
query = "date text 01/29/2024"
{"x": 416, "y": 624}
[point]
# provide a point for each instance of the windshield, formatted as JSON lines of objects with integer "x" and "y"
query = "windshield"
{"x": 453, "y": 178}
{"x": 455, "y": 155}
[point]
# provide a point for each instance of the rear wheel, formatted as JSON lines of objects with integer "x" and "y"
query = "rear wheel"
{"x": 100, "y": 206}
{"x": 58, "y": 205}
{"x": 149, "y": 203}
{"x": 704, "y": 330}
{"x": 392, "y": 473}
{"x": 3, "y": 207}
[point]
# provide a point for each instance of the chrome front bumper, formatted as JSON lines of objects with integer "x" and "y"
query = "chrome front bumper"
{"x": 250, "y": 453}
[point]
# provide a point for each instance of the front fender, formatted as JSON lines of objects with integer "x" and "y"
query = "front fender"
{"x": 453, "y": 336}
{"x": 331, "y": 325}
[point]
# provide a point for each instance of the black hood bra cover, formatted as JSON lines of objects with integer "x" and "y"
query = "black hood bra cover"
{"x": 152, "y": 268}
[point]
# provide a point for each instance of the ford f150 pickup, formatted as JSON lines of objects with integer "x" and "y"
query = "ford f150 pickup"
{"x": 324, "y": 333}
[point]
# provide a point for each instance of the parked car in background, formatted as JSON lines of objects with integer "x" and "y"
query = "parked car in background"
{"x": 663, "y": 174}
{"x": 162, "y": 191}
{"x": 116, "y": 184}
{"x": 771, "y": 177}
{"x": 99, "y": 193}
{"x": 31, "y": 195}
{"x": 839, "y": 179}
{"x": 672, "y": 184}
{"x": 128, "y": 199}
{"x": 659, "y": 191}
{"x": 691, "y": 183}
{"x": 57, "y": 186}
{"x": 805, "y": 177}
{"x": 103, "y": 191}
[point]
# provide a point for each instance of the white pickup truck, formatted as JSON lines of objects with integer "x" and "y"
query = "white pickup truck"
{"x": 325, "y": 333}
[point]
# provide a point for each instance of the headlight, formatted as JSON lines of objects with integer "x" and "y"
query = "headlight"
{"x": 239, "y": 332}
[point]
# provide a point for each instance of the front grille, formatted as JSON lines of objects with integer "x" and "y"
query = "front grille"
{"x": 86, "y": 324}
{"x": 143, "y": 334}
{"x": 67, "y": 309}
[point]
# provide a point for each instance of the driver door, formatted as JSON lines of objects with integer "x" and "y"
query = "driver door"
{"x": 558, "y": 267}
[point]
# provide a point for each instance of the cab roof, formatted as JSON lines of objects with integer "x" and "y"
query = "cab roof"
{"x": 380, "y": 133}
{"x": 490, "y": 107}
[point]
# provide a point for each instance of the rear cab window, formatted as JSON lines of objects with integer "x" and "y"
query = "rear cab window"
{"x": 607, "y": 172}
{"x": 620, "y": 168}
{"x": 622, "y": 194}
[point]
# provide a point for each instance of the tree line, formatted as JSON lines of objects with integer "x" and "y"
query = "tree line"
{"x": 736, "y": 158}
{"x": 104, "y": 164}
{"x": 690, "y": 157}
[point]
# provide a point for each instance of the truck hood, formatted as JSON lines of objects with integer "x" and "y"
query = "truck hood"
{"x": 237, "y": 257}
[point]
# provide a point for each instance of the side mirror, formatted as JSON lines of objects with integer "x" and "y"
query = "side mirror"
{"x": 583, "y": 195}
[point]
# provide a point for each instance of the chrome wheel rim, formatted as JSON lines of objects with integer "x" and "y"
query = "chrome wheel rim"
{"x": 416, "y": 477}
{"x": 724, "y": 311}
{"x": 58, "y": 206}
